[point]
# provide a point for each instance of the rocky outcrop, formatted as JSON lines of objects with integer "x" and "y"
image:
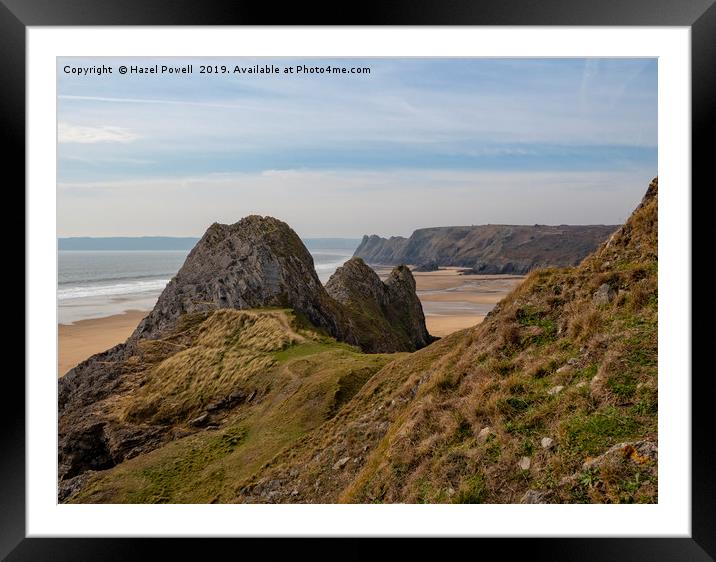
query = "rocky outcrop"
{"x": 386, "y": 316}
{"x": 257, "y": 262}
{"x": 356, "y": 283}
{"x": 488, "y": 249}
{"x": 261, "y": 262}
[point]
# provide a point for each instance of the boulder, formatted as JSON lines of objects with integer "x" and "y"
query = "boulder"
{"x": 484, "y": 433}
{"x": 341, "y": 463}
{"x": 604, "y": 294}
{"x": 535, "y": 496}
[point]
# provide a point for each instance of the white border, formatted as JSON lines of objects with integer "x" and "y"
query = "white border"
{"x": 671, "y": 517}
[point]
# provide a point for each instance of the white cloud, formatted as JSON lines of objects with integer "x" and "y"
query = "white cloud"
{"x": 68, "y": 133}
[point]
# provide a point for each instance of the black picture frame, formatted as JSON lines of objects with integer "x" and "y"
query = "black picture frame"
{"x": 17, "y": 15}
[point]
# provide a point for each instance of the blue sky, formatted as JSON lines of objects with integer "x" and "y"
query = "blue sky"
{"x": 415, "y": 143}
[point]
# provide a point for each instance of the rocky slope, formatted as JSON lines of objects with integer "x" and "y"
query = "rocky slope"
{"x": 489, "y": 248}
{"x": 553, "y": 398}
{"x": 259, "y": 262}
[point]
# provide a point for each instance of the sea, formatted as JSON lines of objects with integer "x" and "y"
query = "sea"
{"x": 99, "y": 283}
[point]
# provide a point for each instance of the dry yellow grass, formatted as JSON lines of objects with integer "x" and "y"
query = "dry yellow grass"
{"x": 231, "y": 347}
{"x": 290, "y": 379}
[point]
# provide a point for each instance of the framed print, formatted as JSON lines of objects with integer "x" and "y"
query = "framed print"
{"x": 396, "y": 275}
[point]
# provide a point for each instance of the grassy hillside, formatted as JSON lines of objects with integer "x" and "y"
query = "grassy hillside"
{"x": 282, "y": 378}
{"x": 553, "y": 398}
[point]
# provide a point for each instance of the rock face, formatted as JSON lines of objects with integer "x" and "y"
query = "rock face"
{"x": 261, "y": 262}
{"x": 387, "y": 251}
{"x": 256, "y": 262}
{"x": 385, "y": 315}
{"x": 489, "y": 248}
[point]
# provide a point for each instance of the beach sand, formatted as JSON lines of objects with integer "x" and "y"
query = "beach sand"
{"x": 84, "y": 338}
{"x": 450, "y": 302}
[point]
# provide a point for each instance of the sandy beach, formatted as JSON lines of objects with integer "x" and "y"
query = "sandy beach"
{"x": 84, "y": 338}
{"x": 450, "y": 301}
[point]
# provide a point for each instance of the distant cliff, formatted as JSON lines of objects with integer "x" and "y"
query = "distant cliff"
{"x": 492, "y": 248}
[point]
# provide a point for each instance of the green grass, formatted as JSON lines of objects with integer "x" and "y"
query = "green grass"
{"x": 304, "y": 392}
{"x": 473, "y": 490}
{"x": 300, "y": 350}
{"x": 527, "y": 448}
{"x": 464, "y": 431}
{"x": 425, "y": 491}
{"x": 648, "y": 404}
{"x": 587, "y": 373}
{"x": 512, "y": 406}
{"x": 493, "y": 448}
{"x": 163, "y": 481}
{"x": 590, "y": 434}
{"x": 502, "y": 367}
{"x": 528, "y": 424}
{"x": 623, "y": 384}
{"x": 530, "y": 316}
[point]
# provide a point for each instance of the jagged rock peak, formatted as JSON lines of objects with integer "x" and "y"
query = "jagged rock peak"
{"x": 390, "y": 310}
{"x": 401, "y": 275}
{"x": 404, "y": 307}
{"x": 257, "y": 261}
{"x": 261, "y": 262}
{"x": 354, "y": 281}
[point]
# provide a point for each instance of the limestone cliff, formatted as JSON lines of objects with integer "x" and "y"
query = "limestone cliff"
{"x": 489, "y": 248}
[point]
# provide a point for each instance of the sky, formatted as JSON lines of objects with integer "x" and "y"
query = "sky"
{"x": 414, "y": 143}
